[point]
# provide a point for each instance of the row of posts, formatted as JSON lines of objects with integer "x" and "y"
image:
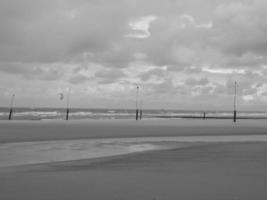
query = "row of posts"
{"x": 138, "y": 111}
{"x": 234, "y": 115}
{"x": 234, "y": 112}
{"x": 12, "y": 105}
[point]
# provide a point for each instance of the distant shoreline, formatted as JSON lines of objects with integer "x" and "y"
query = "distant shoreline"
{"x": 133, "y": 118}
{"x": 114, "y": 114}
{"x": 209, "y": 117}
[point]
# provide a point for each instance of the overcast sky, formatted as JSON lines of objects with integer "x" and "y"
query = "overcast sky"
{"x": 183, "y": 53}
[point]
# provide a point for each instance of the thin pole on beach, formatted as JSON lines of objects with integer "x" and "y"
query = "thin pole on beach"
{"x": 234, "y": 119}
{"x": 141, "y": 108}
{"x": 68, "y": 105}
{"x": 11, "y": 107}
{"x": 136, "y": 102}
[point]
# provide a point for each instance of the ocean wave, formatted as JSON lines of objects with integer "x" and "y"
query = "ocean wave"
{"x": 3, "y": 113}
{"x": 50, "y": 113}
{"x": 37, "y": 114}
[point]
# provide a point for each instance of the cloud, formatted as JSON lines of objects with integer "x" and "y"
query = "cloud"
{"x": 33, "y": 71}
{"x": 165, "y": 87}
{"x": 107, "y": 76}
{"x": 223, "y": 70}
{"x": 178, "y": 48}
{"x": 78, "y": 79}
{"x": 188, "y": 20}
{"x": 194, "y": 82}
{"x": 240, "y": 27}
{"x": 153, "y": 73}
{"x": 141, "y": 27}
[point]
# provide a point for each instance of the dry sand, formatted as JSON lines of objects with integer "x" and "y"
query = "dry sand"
{"x": 218, "y": 171}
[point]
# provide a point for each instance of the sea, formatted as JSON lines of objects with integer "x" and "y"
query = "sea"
{"x": 109, "y": 114}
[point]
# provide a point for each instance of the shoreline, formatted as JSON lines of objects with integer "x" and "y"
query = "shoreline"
{"x": 24, "y": 113}
{"x": 156, "y": 117}
{"x": 212, "y": 117}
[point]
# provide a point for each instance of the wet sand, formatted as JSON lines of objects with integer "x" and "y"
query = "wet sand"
{"x": 202, "y": 171}
{"x": 17, "y": 131}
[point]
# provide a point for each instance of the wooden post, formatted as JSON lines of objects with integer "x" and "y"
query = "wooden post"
{"x": 136, "y": 114}
{"x": 141, "y": 107}
{"x": 67, "y": 114}
{"x": 10, "y": 114}
{"x": 234, "y": 117}
{"x": 68, "y": 105}
{"x": 136, "y": 103}
{"x": 11, "y": 107}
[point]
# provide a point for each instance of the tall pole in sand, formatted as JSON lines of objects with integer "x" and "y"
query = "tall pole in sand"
{"x": 11, "y": 107}
{"x": 136, "y": 102}
{"x": 234, "y": 119}
{"x": 141, "y": 107}
{"x": 68, "y": 105}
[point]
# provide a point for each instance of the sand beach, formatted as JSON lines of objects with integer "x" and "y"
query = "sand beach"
{"x": 149, "y": 159}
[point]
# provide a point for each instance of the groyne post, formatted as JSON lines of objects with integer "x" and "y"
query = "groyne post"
{"x": 67, "y": 113}
{"x": 235, "y": 112}
{"x": 68, "y": 105}
{"x": 141, "y": 107}
{"x": 10, "y": 114}
{"x": 136, "y": 103}
{"x": 136, "y": 114}
{"x": 11, "y": 107}
{"x": 234, "y": 116}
